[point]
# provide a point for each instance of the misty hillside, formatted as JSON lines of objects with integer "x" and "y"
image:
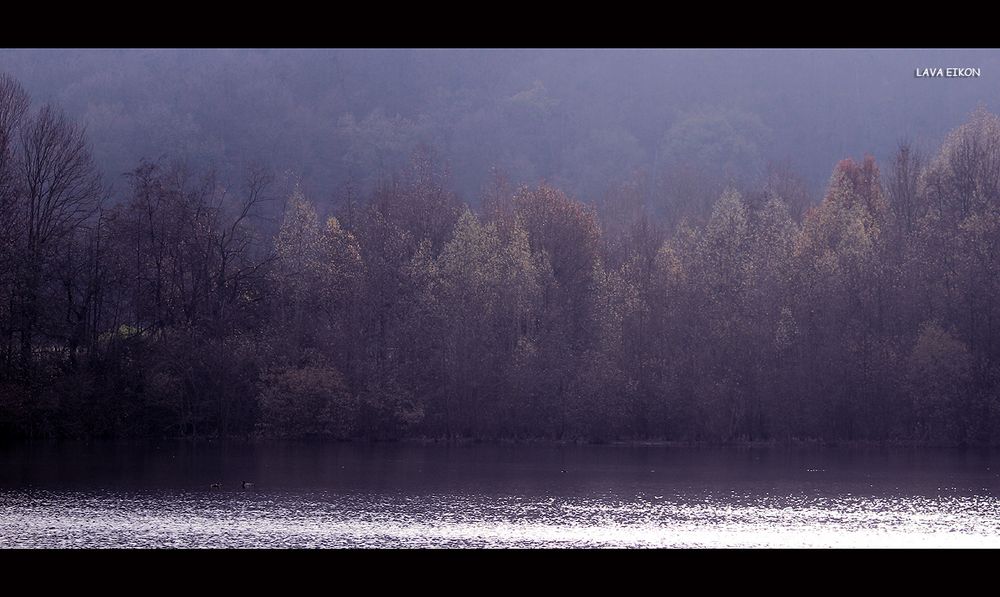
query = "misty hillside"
{"x": 584, "y": 120}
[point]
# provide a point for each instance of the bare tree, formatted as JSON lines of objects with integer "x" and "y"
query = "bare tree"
{"x": 59, "y": 189}
{"x": 232, "y": 241}
{"x": 13, "y": 104}
{"x": 62, "y": 187}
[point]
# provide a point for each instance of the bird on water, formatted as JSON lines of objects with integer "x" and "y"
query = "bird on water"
{"x": 216, "y": 485}
{"x": 247, "y": 485}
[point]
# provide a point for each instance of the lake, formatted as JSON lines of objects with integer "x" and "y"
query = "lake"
{"x": 402, "y": 495}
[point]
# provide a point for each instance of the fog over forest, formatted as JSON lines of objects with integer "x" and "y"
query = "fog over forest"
{"x": 588, "y": 245}
{"x": 583, "y": 120}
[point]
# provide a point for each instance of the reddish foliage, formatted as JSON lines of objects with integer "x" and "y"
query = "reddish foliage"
{"x": 561, "y": 226}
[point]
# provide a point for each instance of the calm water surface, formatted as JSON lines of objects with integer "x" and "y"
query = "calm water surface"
{"x": 407, "y": 495}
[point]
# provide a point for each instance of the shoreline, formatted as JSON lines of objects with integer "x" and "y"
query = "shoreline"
{"x": 522, "y": 442}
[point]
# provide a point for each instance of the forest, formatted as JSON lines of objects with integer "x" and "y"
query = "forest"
{"x": 190, "y": 302}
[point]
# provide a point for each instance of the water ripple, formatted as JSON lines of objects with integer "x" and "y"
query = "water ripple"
{"x": 36, "y": 518}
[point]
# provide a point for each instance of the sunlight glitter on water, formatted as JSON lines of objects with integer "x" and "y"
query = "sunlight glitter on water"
{"x": 105, "y": 519}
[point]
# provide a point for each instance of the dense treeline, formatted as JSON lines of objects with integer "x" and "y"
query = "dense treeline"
{"x": 182, "y": 309}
